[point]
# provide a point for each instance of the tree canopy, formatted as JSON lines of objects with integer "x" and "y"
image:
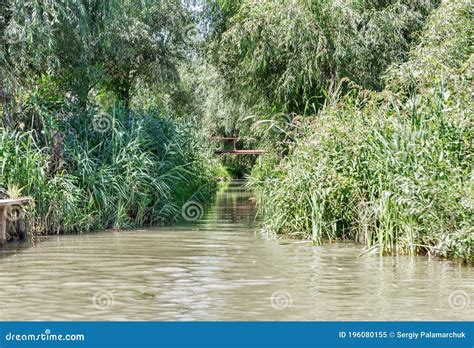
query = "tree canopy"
{"x": 287, "y": 53}
{"x": 86, "y": 44}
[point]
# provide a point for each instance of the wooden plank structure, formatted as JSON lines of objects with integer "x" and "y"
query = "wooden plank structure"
{"x": 11, "y": 212}
{"x": 234, "y": 150}
{"x": 239, "y": 152}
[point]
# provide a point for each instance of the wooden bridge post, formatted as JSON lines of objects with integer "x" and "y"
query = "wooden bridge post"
{"x": 3, "y": 225}
{"x": 16, "y": 205}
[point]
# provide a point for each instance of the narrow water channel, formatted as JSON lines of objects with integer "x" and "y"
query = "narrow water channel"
{"x": 223, "y": 268}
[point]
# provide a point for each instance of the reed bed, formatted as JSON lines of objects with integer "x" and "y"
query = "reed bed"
{"x": 140, "y": 170}
{"x": 390, "y": 169}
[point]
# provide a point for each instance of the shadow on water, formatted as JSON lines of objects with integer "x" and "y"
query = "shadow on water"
{"x": 222, "y": 268}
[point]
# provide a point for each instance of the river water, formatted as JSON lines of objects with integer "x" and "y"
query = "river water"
{"x": 223, "y": 268}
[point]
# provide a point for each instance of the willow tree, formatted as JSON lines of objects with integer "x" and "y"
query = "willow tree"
{"x": 87, "y": 44}
{"x": 286, "y": 54}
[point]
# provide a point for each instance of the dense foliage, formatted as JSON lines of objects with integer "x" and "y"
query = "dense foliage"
{"x": 82, "y": 131}
{"x": 84, "y": 45}
{"x": 363, "y": 108}
{"x": 393, "y": 169}
{"x": 285, "y": 54}
{"x": 139, "y": 171}
{"x": 268, "y": 61}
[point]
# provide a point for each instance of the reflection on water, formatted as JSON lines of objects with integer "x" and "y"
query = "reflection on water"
{"x": 221, "y": 268}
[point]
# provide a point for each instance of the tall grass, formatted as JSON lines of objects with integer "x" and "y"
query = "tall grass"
{"x": 139, "y": 171}
{"x": 392, "y": 170}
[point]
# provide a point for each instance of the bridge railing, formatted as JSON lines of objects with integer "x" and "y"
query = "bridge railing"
{"x": 234, "y": 150}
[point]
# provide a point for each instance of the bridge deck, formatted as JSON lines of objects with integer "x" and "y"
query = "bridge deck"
{"x": 13, "y": 201}
{"x": 240, "y": 152}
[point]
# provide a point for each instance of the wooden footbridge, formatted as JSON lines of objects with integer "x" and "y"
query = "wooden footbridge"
{"x": 232, "y": 141}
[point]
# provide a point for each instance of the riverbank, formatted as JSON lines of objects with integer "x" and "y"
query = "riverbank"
{"x": 390, "y": 169}
{"x": 129, "y": 170}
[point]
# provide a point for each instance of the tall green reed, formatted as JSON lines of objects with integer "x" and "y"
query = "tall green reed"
{"x": 392, "y": 170}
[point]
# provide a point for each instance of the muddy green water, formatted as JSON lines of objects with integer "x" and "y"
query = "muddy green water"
{"x": 223, "y": 268}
